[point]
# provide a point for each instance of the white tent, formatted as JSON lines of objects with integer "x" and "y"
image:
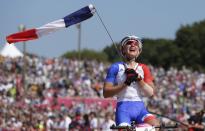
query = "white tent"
{"x": 10, "y": 50}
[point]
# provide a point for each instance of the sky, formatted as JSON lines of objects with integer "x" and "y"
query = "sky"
{"x": 144, "y": 18}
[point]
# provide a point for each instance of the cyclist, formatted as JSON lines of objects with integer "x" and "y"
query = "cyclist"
{"x": 129, "y": 80}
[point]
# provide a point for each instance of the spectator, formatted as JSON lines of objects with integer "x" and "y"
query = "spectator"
{"x": 52, "y": 82}
{"x": 50, "y": 123}
{"x": 93, "y": 121}
{"x": 195, "y": 122}
{"x": 108, "y": 122}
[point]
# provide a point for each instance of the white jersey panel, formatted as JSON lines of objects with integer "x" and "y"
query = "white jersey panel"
{"x": 132, "y": 92}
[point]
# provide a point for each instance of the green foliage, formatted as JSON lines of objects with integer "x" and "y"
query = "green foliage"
{"x": 159, "y": 52}
{"x": 87, "y": 54}
{"x": 190, "y": 41}
{"x": 112, "y": 53}
{"x": 188, "y": 49}
{"x": 156, "y": 52}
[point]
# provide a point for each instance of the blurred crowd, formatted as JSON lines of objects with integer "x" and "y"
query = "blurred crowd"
{"x": 49, "y": 94}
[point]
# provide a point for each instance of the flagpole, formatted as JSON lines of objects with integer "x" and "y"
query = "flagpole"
{"x": 79, "y": 41}
{"x": 23, "y": 28}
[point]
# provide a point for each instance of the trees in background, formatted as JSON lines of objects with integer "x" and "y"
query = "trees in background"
{"x": 187, "y": 49}
{"x": 190, "y": 41}
{"x": 159, "y": 52}
{"x": 87, "y": 54}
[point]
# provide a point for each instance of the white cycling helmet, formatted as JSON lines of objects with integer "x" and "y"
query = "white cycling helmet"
{"x": 131, "y": 37}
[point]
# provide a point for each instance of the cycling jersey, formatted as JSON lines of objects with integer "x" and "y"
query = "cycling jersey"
{"x": 130, "y": 106}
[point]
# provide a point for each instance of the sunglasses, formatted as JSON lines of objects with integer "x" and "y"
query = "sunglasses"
{"x": 132, "y": 42}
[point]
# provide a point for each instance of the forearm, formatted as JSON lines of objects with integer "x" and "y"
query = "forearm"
{"x": 148, "y": 89}
{"x": 110, "y": 90}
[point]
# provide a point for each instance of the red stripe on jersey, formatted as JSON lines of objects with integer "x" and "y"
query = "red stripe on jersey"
{"x": 148, "y": 78}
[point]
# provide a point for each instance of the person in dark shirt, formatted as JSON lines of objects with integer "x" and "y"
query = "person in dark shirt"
{"x": 195, "y": 122}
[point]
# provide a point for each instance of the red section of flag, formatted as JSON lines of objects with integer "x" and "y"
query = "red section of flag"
{"x": 22, "y": 36}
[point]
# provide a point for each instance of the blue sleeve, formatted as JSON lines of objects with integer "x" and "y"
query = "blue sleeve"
{"x": 112, "y": 73}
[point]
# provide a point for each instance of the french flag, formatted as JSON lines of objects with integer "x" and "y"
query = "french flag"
{"x": 74, "y": 18}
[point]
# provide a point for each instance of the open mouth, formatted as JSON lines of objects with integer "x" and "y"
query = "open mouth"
{"x": 132, "y": 49}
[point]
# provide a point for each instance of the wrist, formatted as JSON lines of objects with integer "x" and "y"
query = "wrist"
{"x": 123, "y": 85}
{"x": 141, "y": 82}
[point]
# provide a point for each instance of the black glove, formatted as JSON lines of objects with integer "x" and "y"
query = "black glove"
{"x": 131, "y": 76}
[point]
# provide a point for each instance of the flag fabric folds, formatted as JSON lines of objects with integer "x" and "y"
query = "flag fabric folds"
{"x": 74, "y": 18}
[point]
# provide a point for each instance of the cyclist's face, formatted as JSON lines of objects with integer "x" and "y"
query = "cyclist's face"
{"x": 131, "y": 49}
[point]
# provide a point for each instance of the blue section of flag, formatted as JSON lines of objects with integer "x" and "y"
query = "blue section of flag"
{"x": 78, "y": 16}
